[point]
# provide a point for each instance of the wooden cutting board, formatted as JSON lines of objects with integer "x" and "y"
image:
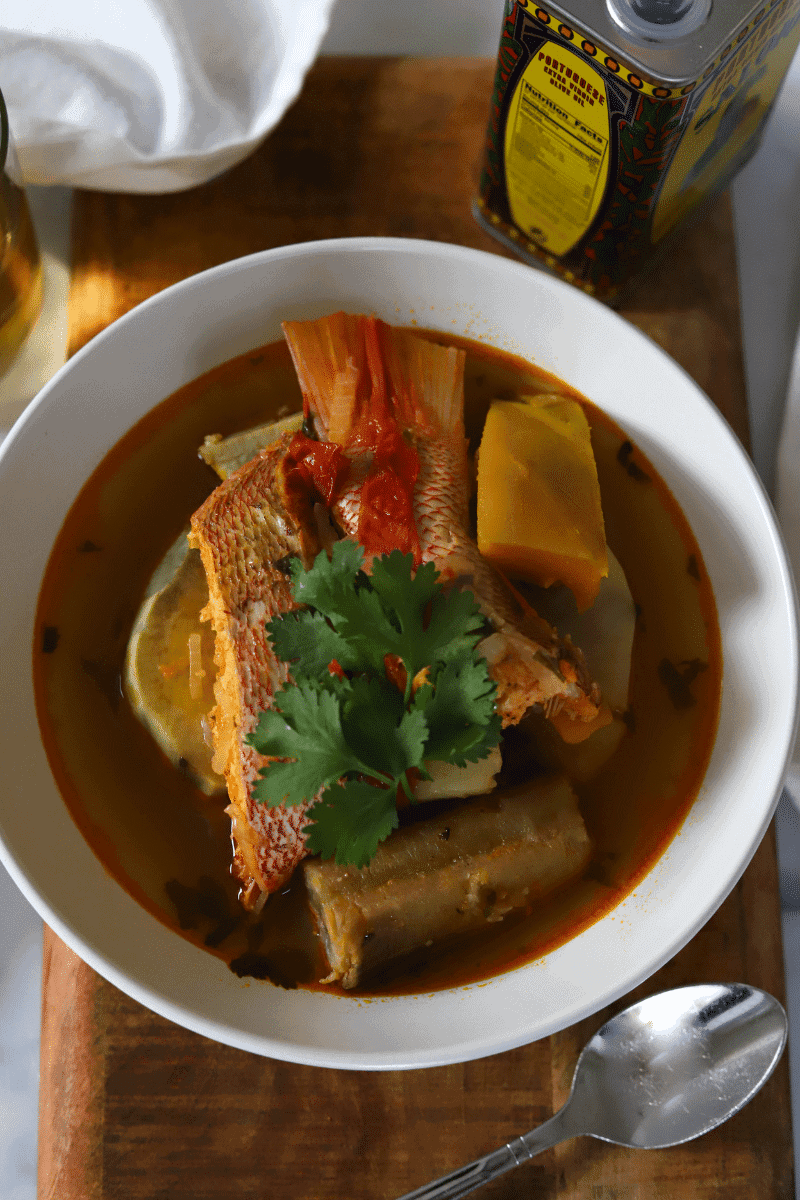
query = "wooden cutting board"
{"x": 137, "y": 1108}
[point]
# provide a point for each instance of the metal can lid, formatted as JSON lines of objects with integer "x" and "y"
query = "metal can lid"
{"x": 672, "y": 41}
{"x": 659, "y": 20}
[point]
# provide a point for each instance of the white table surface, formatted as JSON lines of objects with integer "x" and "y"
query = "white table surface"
{"x": 765, "y": 199}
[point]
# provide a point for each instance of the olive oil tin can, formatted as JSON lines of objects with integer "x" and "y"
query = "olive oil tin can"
{"x": 613, "y": 120}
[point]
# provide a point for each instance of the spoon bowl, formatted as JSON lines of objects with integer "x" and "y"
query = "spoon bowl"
{"x": 664, "y": 1071}
{"x": 676, "y": 1065}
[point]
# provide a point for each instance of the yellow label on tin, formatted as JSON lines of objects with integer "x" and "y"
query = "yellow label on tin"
{"x": 557, "y": 148}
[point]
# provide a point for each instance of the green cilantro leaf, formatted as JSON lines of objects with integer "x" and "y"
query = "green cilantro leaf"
{"x": 460, "y": 713}
{"x": 341, "y": 593}
{"x": 331, "y": 584}
{"x": 431, "y": 625}
{"x": 309, "y": 644}
{"x": 380, "y": 730}
{"x": 305, "y": 725}
{"x": 350, "y": 821}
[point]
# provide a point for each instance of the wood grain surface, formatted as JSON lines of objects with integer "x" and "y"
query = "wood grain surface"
{"x": 134, "y": 1107}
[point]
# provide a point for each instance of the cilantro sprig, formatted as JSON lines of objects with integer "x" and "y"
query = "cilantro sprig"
{"x": 345, "y": 734}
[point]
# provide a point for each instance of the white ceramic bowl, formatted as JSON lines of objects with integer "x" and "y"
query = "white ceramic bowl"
{"x": 189, "y": 328}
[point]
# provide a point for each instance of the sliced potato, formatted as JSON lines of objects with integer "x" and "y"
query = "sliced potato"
{"x": 449, "y": 781}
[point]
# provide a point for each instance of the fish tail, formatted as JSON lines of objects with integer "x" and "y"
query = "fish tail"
{"x": 358, "y": 375}
{"x": 339, "y": 366}
{"x": 425, "y": 381}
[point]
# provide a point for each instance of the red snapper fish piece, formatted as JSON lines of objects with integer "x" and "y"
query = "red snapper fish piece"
{"x": 243, "y": 532}
{"x": 369, "y": 386}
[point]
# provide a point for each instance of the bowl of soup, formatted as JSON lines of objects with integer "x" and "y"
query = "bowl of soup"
{"x": 610, "y": 815}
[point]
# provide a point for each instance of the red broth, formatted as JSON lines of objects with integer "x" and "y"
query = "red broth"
{"x": 168, "y": 844}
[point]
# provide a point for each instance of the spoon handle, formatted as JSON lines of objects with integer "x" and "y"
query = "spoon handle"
{"x": 464, "y": 1180}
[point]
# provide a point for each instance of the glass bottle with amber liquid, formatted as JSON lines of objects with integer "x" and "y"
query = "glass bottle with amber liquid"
{"x": 20, "y": 265}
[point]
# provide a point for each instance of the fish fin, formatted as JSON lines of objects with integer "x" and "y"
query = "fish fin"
{"x": 343, "y": 405}
{"x": 340, "y": 370}
{"x": 425, "y": 380}
{"x": 356, "y": 371}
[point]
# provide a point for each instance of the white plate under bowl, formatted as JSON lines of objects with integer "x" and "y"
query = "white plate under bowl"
{"x": 189, "y": 328}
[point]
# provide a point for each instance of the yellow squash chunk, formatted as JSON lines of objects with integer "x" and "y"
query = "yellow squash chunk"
{"x": 539, "y": 511}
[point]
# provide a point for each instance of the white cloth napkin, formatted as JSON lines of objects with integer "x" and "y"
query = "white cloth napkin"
{"x": 150, "y": 95}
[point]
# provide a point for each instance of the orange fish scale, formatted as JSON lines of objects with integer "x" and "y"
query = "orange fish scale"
{"x": 242, "y": 531}
{"x": 441, "y": 495}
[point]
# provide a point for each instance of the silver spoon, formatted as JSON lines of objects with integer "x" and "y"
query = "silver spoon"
{"x": 662, "y": 1072}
